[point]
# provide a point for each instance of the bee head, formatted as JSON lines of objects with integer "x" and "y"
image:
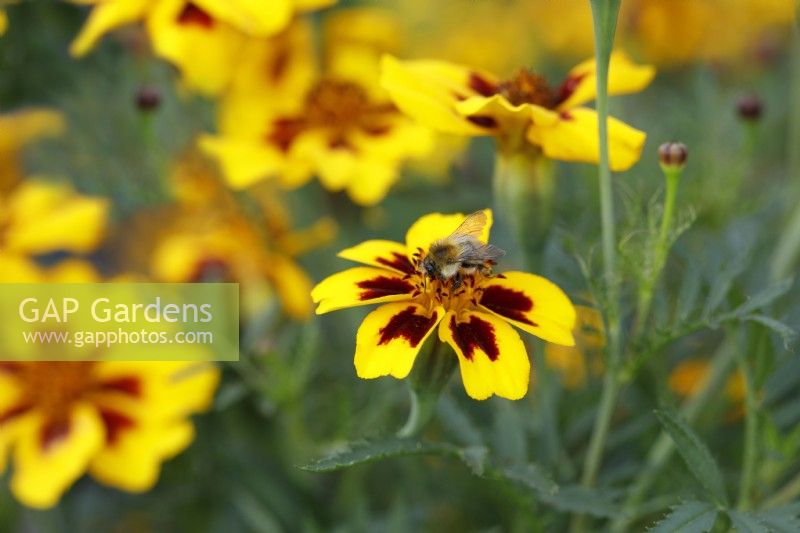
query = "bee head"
{"x": 429, "y": 267}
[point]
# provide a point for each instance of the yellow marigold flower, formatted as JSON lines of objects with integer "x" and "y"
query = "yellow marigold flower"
{"x": 688, "y": 378}
{"x": 201, "y": 37}
{"x": 466, "y": 101}
{"x": 475, "y": 319}
{"x": 3, "y": 21}
{"x": 40, "y": 217}
{"x": 116, "y": 420}
{"x": 574, "y": 363}
{"x": 284, "y": 118}
{"x": 18, "y": 129}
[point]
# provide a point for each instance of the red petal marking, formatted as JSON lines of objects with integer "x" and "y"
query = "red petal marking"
{"x": 115, "y": 423}
{"x": 565, "y": 115}
{"x": 398, "y": 262}
{"x": 383, "y": 286}
{"x": 13, "y": 412}
{"x": 568, "y": 87}
{"x": 508, "y": 303}
{"x": 377, "y": 131}
{"x": 52, "y": 432}
{"x": 279, "y": 64}
{"x": 130, "y": 385}
{"x": 481, "y": 85}
{"x": 211, "y": 269}
{"x": 476, "y": 333}
{"x": 483, "y": 121}
{"x": 409, "y": 325}
{"x": 191, "y": 15}
{"x": 284, "y": 132}
{"x": 9, "y": 368}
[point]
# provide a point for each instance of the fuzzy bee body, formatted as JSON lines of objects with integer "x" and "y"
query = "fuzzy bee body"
{"x": 461, "y": 253}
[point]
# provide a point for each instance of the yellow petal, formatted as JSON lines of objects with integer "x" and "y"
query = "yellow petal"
{"x": 292, "y": 285}
{"x": 42, "y": 473}
{"x": 428, "y": 92}
{"x": 390, "y": 338}
{"x": 568, "y": 362}
{"x": 204, "y": 51}
{"x": 497, "y": 113}
{"x": 380, "y": 253}
{"x": 372, "y": 180}
{"x": 19, "y": 269}
{"x": 25, "y": 125}
{"x": 437, "y": 226}
{"x": 360, "y": 286}
{"x": 532, "y": 303}
{"x": 3, "y": 21}
{"x": 48, "y": 217}
{"x": 574, "y": 138}
{"x": 107, "y": 16}
{"x": 490, "y": 353}
{"x": 688, "y": 377}
{"x": 244, "y": 161}
{"x": 624, "y": 77}
{"x": 254, "y": 17}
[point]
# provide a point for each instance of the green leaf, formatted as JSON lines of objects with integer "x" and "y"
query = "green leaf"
{"x": 747, "y": 522}
{"x": 371, "y": 451}
{"x": 603, "y": 503}
{"x": 764, "y": 297}
{"x": 532, "y": 477}
{"x": 786, "y": 332}
{"x": 782, "y": 519}
{"x": 694, "y": 453}
{"x": 688, "y": 517}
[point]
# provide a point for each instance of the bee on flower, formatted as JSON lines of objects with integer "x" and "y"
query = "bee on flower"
{"x": 285, "y": 117}
{"x": 458, "y": 291}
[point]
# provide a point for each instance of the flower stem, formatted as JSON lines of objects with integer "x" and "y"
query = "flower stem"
{"x": 750, "y": 427}
{"x": 431, "y": 374}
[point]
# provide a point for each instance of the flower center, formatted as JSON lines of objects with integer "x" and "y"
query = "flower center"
{"x": 53, "y": 386}
{"x": 336, "y": 103}
{"x": 526, "y": 87}
{"x": 432, "y": 292}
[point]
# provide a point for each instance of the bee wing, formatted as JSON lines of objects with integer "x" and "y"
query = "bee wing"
{"x": 474, "y": 252}
{"x": 471, "y": 227}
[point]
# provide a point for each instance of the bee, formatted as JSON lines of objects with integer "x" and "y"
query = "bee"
{"x": 461, "y": 253}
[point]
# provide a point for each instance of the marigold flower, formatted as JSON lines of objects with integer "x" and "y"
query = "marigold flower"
{"x": 116, "y": 420}
{"x": 688, "y": 378}
{"x": 466, "y": 101}
{"x": 291, "y": 121}
{"x": 202, "y": 37}
{"x": 575, "y": 363}
{"x": 17, "y": 129}
{"x": 475, "y": 318}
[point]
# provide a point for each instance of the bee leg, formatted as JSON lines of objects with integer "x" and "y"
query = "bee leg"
{"x": 456, "y": 280}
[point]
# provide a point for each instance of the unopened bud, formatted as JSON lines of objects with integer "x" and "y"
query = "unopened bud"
{"x": 672, "y": 154}
{"x": 147, "y": 98}
{"x": 749, "y": 107}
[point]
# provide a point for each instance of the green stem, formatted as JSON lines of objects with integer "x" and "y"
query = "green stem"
{"x": 604, "y": 13}
{"x": 785, "y": 494}
{"x": 750, "y": 437}
{"x": 662, "y": 450}
{"x": 431, "y": 373}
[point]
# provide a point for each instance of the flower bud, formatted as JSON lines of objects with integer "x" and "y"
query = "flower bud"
{"x": 672, "y": 154}
{"x": 147, "y": 98}
{"x": 749, "y": 107}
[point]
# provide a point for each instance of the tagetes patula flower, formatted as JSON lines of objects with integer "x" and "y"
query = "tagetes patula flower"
{"x": 286, "y": 118}
{"x": 118, "y": 421}
{"x": 475, "y": 319}
{"x": 688, "y": 378}
{"x": 17, "y": 129}
{"x": 201, "y": 37}
{"x": 576, "y": 363}
{"x": 40, "y": 217}
{"x": 525, "y": 108}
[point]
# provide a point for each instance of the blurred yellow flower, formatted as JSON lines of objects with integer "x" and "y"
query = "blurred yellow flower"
{"x": 39, "y": 217}
{"x": 688, "y": 378}
{"x": 203, "y": 38}
{"x": 17, "y": 129}
{"x": 475, "y": 319}
{"x": 208, "y": 238}
{"x": 284, "y": 118}
{"x": 466, "y": 101}
{"x": 575, "y": 363}
{"x": 3, "y": 21}
{"x": 116, "y": 420}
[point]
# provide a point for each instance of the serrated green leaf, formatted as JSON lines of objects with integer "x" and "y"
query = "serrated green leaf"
{"x": 786, "y": 332}
{"x": 689, "y": 517}
{"x": 695, "y": 453}
{"x": 747, "y": 522}
{"x": 764, "y": 297}
{"x": 602, "y": 503}
{"x": 784, "y": 519}
{"x": 722, "y": 285}
{"x": 532, "y": 477}
{"x": 371, "y": 451}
